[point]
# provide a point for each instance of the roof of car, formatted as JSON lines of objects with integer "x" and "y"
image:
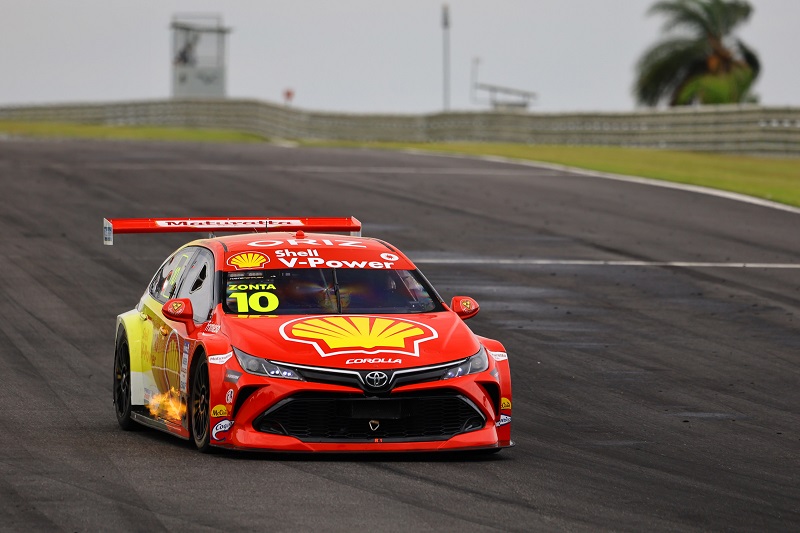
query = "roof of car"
{"x": 304, "y": 250}
{"x": 292, "y": 240}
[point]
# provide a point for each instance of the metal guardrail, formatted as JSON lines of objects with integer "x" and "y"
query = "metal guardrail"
{"x": 740, "y": 129}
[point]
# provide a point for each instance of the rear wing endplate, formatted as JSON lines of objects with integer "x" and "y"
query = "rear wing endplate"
{"x": 229, "y": 225}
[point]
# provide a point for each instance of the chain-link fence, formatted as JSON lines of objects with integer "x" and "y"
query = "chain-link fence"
{"x": 740, "y": 129}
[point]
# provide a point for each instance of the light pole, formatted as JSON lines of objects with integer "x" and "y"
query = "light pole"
{"x": 446, "y": 55}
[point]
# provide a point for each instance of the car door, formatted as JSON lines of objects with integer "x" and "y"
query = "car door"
{"x": 162, "y": 384}
{"x": 198, "y": 288}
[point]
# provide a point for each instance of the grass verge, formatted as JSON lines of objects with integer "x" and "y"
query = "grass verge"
{"x": 150, "y": 133}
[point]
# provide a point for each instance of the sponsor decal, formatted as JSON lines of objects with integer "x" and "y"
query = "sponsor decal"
{"x": 309, "y": 252}
{"x": 221, "y": 427}
{"x": 108, "y": 232}
{"x": 466, "y": 305}
{"x": 219, "y": 411}
{"x": 495, "y": 374}
{"x": 315, "y": 262}
{"x": 229, "y": 223}
{"x": 247, "y": 260}
{"x": 504, "y": 419}
{"x": 499, "y": 356}
{"x": 369, "y": 335}
{"x": 250, "y": 287}
{"x": 176, "y": 307}
{"x": 345, "y": 243}
{"x": 505, "y": 403}
{"x": 229, "y": 397}
{"x": 389, "y": 257}
{"x": 212, "y": 328}
{"x": 374, "y": 361}
{"x": 219, "y": 359}
{"x": 232, "y": 376}
{"x": 184, "y": 366}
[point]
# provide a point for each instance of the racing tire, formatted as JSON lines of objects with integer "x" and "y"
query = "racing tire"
{"x": 122, "y": 384}
{"x": 200, "y": 420}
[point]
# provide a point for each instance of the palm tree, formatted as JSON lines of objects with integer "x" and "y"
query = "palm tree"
{"x": 704, "y": 65}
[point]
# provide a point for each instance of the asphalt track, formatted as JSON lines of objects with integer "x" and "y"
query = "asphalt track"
{"x": 656, "y": 380}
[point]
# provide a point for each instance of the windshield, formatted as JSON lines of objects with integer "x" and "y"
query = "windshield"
{"x": 305, "y": 291}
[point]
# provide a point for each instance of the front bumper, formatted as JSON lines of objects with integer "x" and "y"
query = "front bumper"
{"x": 299, "y": 416}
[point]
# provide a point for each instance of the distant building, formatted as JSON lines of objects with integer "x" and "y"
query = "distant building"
{"x": 198, "y": 56}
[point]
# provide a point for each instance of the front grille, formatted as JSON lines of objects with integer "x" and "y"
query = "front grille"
{"x": 349, "y": 418}
{"x": 358, "y": 378}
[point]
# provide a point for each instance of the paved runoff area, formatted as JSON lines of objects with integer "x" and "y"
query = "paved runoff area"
{"x": 653, "y": 336}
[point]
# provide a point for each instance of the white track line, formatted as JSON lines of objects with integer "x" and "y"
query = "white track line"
{"x": 619, "y": 177}
{"x": 590, "y": 262}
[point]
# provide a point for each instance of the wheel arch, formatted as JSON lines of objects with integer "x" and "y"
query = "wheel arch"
{"x": 198, "y": 353}
{"x": 500, "y": 357}
{"x": 130, "y": 325}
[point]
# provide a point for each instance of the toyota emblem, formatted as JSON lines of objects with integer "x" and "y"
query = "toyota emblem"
{"x": 376, "y": 379}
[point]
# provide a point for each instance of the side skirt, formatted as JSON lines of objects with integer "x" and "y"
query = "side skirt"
{"x": 161, "y": 425}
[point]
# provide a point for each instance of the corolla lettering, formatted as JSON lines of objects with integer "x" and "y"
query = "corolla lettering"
{"x": 374, "y": 361}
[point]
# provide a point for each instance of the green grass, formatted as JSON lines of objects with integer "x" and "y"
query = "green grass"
{"x": 92, "y": 131}
{"x": 769, "y": 178}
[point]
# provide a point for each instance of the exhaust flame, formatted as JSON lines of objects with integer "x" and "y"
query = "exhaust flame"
{"x": 167, "y": 405}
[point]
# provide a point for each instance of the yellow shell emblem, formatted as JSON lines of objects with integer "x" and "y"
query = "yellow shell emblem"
{"x": 245, "y": 260}
{"x": 359, "y": 334}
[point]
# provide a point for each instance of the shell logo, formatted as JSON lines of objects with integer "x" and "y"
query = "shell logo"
{"x": 165, "y": 363}
{"x": 359, "y": 334}
{"x": 246, "y": 260}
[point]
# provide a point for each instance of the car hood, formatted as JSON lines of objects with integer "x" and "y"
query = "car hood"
{"x": 354, "y": 341}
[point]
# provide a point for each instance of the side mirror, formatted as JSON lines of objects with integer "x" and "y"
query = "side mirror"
{"x": 180, "y": 310}
{"x": 464, "y": 306}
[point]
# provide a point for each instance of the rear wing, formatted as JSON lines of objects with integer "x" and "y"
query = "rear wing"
{"x": 232, "y": 225}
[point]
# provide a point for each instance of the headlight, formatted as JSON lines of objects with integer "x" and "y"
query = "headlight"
{"x": 262, "y": 367}
{"x": 477, "y": 363}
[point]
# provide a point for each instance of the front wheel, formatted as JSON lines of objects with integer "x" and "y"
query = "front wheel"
{"x": 122, "y": 384}
{"x": 198, "y": 403}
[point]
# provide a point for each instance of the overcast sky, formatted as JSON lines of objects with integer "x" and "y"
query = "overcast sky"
{"x": 365, "y": 55}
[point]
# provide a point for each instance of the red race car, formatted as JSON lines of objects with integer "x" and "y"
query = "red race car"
{"x": 292, "y": 338}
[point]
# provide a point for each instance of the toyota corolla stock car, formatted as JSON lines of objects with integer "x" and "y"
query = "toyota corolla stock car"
{"x": 300, "y": 335}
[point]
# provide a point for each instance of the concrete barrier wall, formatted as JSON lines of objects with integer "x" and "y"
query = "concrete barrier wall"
{"x": 742, "y": 129}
